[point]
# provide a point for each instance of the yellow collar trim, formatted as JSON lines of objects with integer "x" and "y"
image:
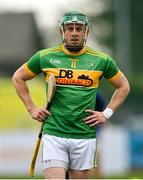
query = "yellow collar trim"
{"x": 73, "y": 53}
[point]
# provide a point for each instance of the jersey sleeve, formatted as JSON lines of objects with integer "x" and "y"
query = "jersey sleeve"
{"x": 33, "y": 64}
{"x": 111, "y": 71}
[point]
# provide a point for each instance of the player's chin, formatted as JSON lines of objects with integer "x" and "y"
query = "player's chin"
{"x": 75, "y": 44}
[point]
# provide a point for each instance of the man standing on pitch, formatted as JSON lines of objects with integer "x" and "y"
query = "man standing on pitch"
{"x": 69, "y": 132}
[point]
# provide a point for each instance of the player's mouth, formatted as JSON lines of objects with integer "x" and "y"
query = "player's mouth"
{"x": 74, "y": 41}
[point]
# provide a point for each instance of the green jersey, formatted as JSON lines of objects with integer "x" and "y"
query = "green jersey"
{"x": 77, "y": 79}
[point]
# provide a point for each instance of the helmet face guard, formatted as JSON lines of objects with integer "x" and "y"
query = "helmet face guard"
{"x": 74, "y": 17}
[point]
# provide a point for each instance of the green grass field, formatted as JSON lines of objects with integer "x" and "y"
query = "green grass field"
{"x": 13, "y": 113}
{"x": 136, "y": 175}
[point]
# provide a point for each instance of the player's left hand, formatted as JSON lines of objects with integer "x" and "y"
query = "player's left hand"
{"x": 94, "y": 118}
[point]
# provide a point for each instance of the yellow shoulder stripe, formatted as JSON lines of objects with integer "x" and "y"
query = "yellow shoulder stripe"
{"x": 116, "y": 76}
{"x": 50, "y": 50}
{"x": 96, "y": 53}
{"x": 28, "y": 71}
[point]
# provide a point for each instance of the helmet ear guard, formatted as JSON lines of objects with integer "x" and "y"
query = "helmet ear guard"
{"x": 74, "y": 17}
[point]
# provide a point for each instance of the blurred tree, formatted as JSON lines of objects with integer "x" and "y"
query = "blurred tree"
{"x": 137, "y": 35}
{"x": 118, "y": 28}
{"x": 102, "y": 28}
{"x": 19, "y": 39}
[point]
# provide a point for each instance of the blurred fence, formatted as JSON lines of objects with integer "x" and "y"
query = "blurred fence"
{"x": 16, "y": 150}
{"x": 120, "y": 151}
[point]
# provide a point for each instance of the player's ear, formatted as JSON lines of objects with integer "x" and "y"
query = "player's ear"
{"x": 61, "y": 32}
{"x": 87, "y": 31}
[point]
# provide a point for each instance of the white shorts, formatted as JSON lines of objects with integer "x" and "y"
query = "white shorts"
{"x": 77, "y": 154}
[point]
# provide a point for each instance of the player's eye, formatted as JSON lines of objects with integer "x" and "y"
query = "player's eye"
{"x": 68, "y": 28}
{"x": 79, "y": 29}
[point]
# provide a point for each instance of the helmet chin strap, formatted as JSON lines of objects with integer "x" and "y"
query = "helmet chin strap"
{"x": 75, "y": 48}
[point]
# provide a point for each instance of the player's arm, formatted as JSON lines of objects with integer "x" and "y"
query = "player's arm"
{"x": 19, "y": 80}
{"x": 121, "y": 92}
{"x": 122, "y": 89}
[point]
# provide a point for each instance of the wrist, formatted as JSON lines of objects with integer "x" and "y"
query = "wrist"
{"x": 30, "y": 108}
{"x": 108, "y": 112}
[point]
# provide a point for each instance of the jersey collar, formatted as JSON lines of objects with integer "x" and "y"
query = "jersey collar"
{"x": 73, "y": 53}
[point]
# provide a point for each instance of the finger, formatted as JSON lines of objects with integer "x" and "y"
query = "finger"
{"x": 89, "y": 117}
{"x": 94, "y": 124}
{"x": 40, "y": 117}
{"x": 91, "y": 121}
{"x": 46, "y": 111}
{"x": 42, "y": 114}
{"x": 90, "y": 111}
{"x": 40, "y": 120}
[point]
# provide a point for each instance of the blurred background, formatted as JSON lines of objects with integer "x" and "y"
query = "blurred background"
{"x": 27, "y": 26}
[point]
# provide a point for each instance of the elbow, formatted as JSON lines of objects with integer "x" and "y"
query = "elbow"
{"x": 14, "y": 78}
{"x": 129, "y": 89}
{"x": 126, "y": 88}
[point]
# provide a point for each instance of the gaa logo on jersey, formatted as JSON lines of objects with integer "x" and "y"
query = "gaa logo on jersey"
{"x": 55, "y": 61}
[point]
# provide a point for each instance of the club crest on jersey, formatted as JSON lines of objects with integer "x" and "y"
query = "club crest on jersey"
{"x": 91, "y": 64}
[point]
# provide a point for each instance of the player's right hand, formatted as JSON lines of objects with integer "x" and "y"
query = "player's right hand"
{"x": 39, "y": 113}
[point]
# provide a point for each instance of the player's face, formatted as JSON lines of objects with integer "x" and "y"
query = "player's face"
{"x": 74, "y": 34}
